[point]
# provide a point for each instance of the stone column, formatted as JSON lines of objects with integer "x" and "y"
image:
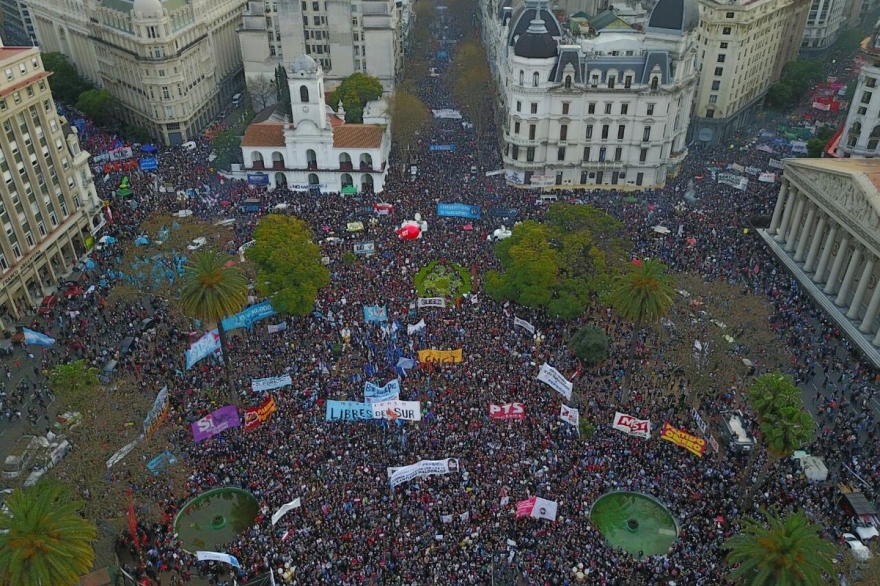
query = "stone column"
{"x": 842, "y": 252}
{"x": 806, "y": 234}
{"x": 818, "y": 276}
{"x": 871, "y": 312}
{"x": 780, "y": 204}
{"x": 782, "y": 229}
{"x": 849, "y": 276}
{"x": 856, "y": 303}
{"x": 818, "y": 237}
{"x": 795, "y": 227}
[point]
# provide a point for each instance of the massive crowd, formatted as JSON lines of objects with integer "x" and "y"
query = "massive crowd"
{"x": 352, "y": 528}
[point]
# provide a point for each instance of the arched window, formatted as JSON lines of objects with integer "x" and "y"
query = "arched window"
{"x": 856, "y": 128}
{"x": 654, "y": 82}
{"x": 303, "y": 93}
{"x": 522, "y": 77}
{"x": 567, "y": 82}
{"x": 535, "y": 79}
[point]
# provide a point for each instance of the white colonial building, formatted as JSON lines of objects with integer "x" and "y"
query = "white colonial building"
{"x": 310, "y": 146}
{"x": 861, "y": 132}
{"x": 595, "y": 107}
{"x": 826, "y": 230}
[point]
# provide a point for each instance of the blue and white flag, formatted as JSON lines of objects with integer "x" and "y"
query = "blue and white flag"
{"x": 204, "y": 346}
{"x": 259, "y": 385}
{"x": 406, "y": 363}
{"x": 215, "y": 556}
{"x": 375, "y": 313}
{"x": 277, "y": 327}
{"x": 458, "y": 210}
{"x": 389, "y": 392}
{"x": 411, "y": 329}
{"x": 32, "y": 337}
{"x": 247, "y": 317}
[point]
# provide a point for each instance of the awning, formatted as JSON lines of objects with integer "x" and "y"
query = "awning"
{"x": 349, "y": 190}
{"x": 857, "y": 504}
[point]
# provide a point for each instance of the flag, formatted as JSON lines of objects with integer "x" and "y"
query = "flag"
{"x": 285, "y": 508}
{"x": 213, "y": 556}
{"x": 505, "y": 500}
{"x": 465, "y": 517}
{"x": 446, "y": 518}
{"x": 537, "y": 507}
{"x": 569, "y": 415}
{"x": 405, "y": 363}
{"x": 287, "y": 535}
{"x": 32, "y": 337}
{"x": 411, "y": 329}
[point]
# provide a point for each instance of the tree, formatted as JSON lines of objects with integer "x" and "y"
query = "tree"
{"x": 74, "y": 383}
{"x": 590, "y": 344}
{"x": 815, "y": 148}
{"x": 354, "y": 92}
{"x": 289, "y": 263}
{"x": 282, "y": 90}
{"x": 99, "y": 105}
{"x": 262, "y": 92}
{"x": 212, "y": 290}
{"x": 137, "y": 134}
{"x": 780, "y": 551}
{"x": 472, "y": 85}
{"x": 771, "y": 392}
{"x": 227, "y": 147}
{"x": 558, "y": 264}
{"x": 65, "y": 82}
{"x": 408, "y": 116}
{"x": 642, "y": 294}
{"x": 796, "y": 80}
{"x": 43, "y": 540}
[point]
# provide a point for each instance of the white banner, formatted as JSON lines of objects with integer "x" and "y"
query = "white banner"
{"x": 776, "y": 164}
{"x": 734, "y": 181}
{"x": 398, "y": 476}
{"x": 699, "y": 420}
{"x": 542, "y": 180}
{"x": 552, "y": 377}
{"x": 431, "y": 302}
{"x": 767, "y": 178}
{"x": 411, "y": 329}
{"x": 406, "y": 410}
{"x": 514, "y": 177}
{"x": 523, "y": 324}
{"x": 213, "y": 556}
{"x": 286, "y": 508}
{"x": 259, "y": 385}
{"x": 278, "y": 327}
{"x": 752, "y": 170}
{"x": 632, "y": 426}
{"x": 123, "y": 452}
{"x": 569, "y": 415}
{"x": 447, "y": 113}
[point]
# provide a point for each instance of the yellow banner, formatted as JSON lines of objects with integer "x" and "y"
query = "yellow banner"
{"x": 693, "y": 444}
{"x": 440, "y": 355}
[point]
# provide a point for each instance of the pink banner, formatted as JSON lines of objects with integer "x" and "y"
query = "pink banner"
{"x": 215, "y": 422}
{"x": 507, "y": 411}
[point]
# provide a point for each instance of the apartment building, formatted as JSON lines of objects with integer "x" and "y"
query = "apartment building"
{"x": 743, "y": 45}
{"x": 48, "y": 205}
{"x": 826, "y": 19}
{"x": 172, "y": 64}
{"x": 17, "y": 28}
{"x": 861, "y": 132}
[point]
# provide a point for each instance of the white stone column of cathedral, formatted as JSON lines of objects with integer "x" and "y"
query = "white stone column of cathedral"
{"x": 818, "y": 237}
{"x": 786, "y": 214}
{"x": 796, "y": 225}
{"x": 842, "y": 253}
{"x": 849, "y": 276}
{"x": 819, "y": 275}
{"x": 806, "y": 233}
{"x": 780, "y": 204}
{"x": 871, "y": 313}
{"x": 865, "y": 277}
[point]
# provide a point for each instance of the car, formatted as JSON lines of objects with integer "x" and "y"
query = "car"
{"x": 48, "y": 304}
{"x": 858, "y": 549}
{"x": 865, "y": 529}
{"x": 197, "y": 243}
{"x": 7, "y": 348}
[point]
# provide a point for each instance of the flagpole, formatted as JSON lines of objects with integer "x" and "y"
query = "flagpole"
{"x": 271, "y": 572}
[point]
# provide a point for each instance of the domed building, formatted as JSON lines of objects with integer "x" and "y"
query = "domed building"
{"x": 595, "y": 101}
{"x": 310, "y": 147}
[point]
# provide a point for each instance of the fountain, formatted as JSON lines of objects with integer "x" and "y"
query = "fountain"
{"x": 635, "y": 522}
{"x": 215, "y": 517}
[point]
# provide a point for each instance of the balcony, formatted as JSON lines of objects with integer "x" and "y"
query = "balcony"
{"x": 603, "y": 165}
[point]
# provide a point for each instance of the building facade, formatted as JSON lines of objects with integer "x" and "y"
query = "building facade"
{"x": 48, "y": 204}
{"x": 310, "y": 147}
{"x": 17, "y": 29}
{"x": 826, "y": 230}
{"x": 173, "y": 65}
{"x": 743, "y": 46}
{"x": 343, "y": 36}
{"x": 598, "y": 108}
{"x": 825, "y": 21}
{"x": 861, "y": 131}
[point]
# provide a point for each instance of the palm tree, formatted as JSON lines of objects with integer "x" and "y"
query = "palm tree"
{"x": 74, "y": 383}
{"x": 642, "y": 295}
{"x": 211, "y": 291}
{"x": 780, "y": 552}
{"x": 43, "y": 540}
{"x": 771, "y": 391}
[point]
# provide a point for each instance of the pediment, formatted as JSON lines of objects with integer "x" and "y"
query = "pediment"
{"x": 856, "y": 200}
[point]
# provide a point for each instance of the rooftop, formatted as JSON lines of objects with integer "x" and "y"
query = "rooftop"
{"x": 264, "y": 134}
{"x": 868, "y": 168}
{"x": 13, "y": 52}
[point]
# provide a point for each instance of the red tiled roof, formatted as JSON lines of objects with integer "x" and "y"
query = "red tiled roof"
{"x": 335, "y": 122}
{"x": 17, "y": 86}
{"x": 9, "y": 52}
{"x": 264, "y": 134}
{"x": 358, "y": 136}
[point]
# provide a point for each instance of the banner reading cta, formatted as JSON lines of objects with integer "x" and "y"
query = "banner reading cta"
{"x": 398, "y": 476}
{"x": 458, "y": 210}
{"x": 215, "y": 422}
{"x": 440, "y": 355}
{"x": 254, "y": 416}
{"x": 555, "y": 380}
{"x": 693, "y": 444}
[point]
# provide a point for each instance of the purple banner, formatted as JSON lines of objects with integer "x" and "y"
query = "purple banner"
{"x": 217, "y": 422}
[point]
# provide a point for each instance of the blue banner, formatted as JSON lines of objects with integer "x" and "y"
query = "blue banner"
{"x": 374, "y": 393}
{"x": 257, "y": 179}
{"x": 32, "y": 337}
{"x": 148, "y": 164}
{"x": 247, "y": 317}
{"x": 458, "y": 210}
{"x": 160, "y": 462}
{"x": 441, "y": 147}
{"x": 375, "y": 313}
{"x": 348, "y": 411}
{"x": 204, "y": 346}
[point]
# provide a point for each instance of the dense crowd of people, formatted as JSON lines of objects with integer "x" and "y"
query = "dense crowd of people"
{"x": 352, "y": 527}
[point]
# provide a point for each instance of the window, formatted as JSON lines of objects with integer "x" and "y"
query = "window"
{"x": 161, "y": 73}
{"x": 589, "y": 131}
{"x": 643, "y": 155}
{"x": 650, "y": 109}
{"x": 721, "y": 57}
{"x": 729, "y": 15}
{"x": 866, "y": 97}
{"x": 719, "y": 71}
{"x": 30, "y": 239}
{"x": 536, "y": 78}
{"x": 716, "y": 85}
{"x": 591, "y": 108}
{"x": 519, "y": 106}
{"x": 604, "y": 132}
{"x": 618, "y": 154}
{"x": 3, "y": 105}
{"x": 710, "y": 113}
{"x": 514, "y": 153}
{"x": 530, "y": 154}
{"x": 627, "y": 81}
{"x": 870, "y": 82}
{"x": 3, "y": 264}
{"x": 624, "y": 109}
{"x": 165, "y": 93}
{"x": 522, "y": 77}
{"x": 725, "y": 30}
{"x": 610, "y": 83}
{"x": 565, "y": 106}
{"x": 303, "y": 93}
{"x": 532, "y": 128}
{"x": 646, "y": 134}
{"x": 315, "y": 6}
{"x": 560, "y": 154}
{"x": 16, "y": 250}
{"x": 534, "y": 107}
{"x": 608, "y": 107}
{"x": 563, "y": 132}
{"x": 567, "y": 82}
{"x": 516, "y": 127}
{"x": 169, "y": 111}
{"x": 8, "y": 74}
{"x": 723, "y": 45}
{"x": 713, "y": 98}
{"x": 621, "y": 130}
{"x": 602, "y": 152}
{"x": 862, "y": 110}
{"x": 586, "y": 153}
{"x": 654, "y": 82}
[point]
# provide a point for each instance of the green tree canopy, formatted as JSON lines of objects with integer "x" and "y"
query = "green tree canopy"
{"x": 65, "y": 82}
{"x": 289, "y": 263}
{"x": 772, "y": 391}
{"x": 43, "y": 540}
{"x": 354, "y": 92}
{"x": 227, "y": 147}
{"x": 408, "y": 116}
{"x": 557, "y": 264}
{"x": 780, "y": 551}
{"x": 472, "y": 85}
{"x": 75, "y": 384}
{"x": 97, "y": 104}
{"x": 590, "y": 344}
{"x": 796, "y": 80}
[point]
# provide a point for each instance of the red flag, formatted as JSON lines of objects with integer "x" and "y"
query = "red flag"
{"x": 132, "y": 518}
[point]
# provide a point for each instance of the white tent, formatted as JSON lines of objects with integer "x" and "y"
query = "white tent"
{"x": 814, "y": 468}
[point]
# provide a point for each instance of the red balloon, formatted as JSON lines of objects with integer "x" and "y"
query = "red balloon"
{"x": 408, "y": 232}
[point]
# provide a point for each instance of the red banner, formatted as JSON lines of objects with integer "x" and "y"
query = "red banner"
{"x": 693, "y": 444}
{"x": 254, "y": 416}
{"x": 507, "y": 411}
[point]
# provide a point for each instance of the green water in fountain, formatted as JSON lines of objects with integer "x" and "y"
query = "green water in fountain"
{"x": 215, "y": 517}
{"x": 635, "y": 522}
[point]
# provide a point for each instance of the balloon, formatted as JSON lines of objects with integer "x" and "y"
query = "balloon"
{"x": 409, "y": 231}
